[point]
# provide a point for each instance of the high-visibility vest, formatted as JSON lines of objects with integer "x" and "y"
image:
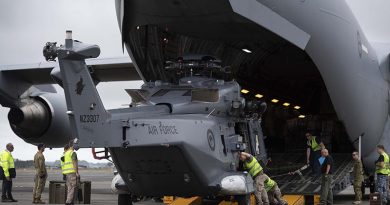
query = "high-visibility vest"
{"x": 269, "y": 184}
{"x": 7, "y": 162}
{"x": 68, "y": 167}
{"x": 62, "y": 162}
{"x": 253, "y": 167}
{"x": 313, "y": 144}
{"x": 384, "y": 170}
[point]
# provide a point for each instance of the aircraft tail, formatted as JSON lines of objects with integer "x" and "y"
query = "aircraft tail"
{"x": 85, "y": 107}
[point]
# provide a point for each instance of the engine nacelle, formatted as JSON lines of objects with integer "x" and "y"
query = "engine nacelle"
{"x": 42, "y": 119}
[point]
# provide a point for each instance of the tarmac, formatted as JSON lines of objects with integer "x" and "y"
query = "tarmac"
{"x": 101, "y": 191}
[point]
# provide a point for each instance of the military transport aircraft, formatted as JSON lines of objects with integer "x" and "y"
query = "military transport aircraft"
{"x": 183, "y": 130}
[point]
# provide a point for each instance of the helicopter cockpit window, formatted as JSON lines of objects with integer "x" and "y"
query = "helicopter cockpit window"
{"x": 205, "y": 95}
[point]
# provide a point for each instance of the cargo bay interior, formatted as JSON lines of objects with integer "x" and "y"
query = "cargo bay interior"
{"x": 268, "y": 68}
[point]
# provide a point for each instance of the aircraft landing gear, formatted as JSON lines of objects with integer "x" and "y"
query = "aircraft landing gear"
{"x": 124, "y": 199}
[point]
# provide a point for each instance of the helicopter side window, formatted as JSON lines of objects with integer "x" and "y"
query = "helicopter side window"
{"x": 160, "y": 93}
{"x": 205, "y": 95}
{"x": 176, "y": 92}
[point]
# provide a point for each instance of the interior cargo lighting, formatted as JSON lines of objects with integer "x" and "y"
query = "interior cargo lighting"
{"x": 275, "y": 100}
{"x": 246, "y": 50}
{"x": 286, "y": 104}
{"x": 297, "y": 107}
{"x": 301, "y": 116}
{"x": 244, "y": 91}
{"x": 259, "y": 95}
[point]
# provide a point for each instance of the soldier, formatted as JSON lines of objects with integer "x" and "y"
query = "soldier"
{"x": 256, "y": 171}
{"x": 62, "y": 161}
{"x": 70, "y": 169}
{"x": 326, "y": 184}
{"x": 273, "y": 191}
{"x": 382, "y": 171}
{"x": 40, "y": 176}
{"x": 8, "y": 165}
{"x": 358, "y": 178}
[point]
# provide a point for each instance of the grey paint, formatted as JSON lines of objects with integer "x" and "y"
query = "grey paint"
{"x": 344, "y": 84}
{"x": 354, "y": 70}
{"x": 171, "y": 141}
{"x": 271, "y": 20}
{"x": 27, "y": 90}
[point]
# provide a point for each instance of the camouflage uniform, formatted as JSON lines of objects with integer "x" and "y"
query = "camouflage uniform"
{"x": 260, "y": 192}
{"x": 275, "y": 196}
{"x": 358, "y": 179}
{"x": 40, "y": 176}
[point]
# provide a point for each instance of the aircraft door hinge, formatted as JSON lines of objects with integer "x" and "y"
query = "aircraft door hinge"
{"x": 125, "y": 126}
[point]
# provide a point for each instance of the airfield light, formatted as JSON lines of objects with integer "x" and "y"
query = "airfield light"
{"x": 137, "y": 27}
{"x": 286, "y": 104}
{"x": 259, "y": 96}
{"x": 244, "y": 91}
{"x": 297, "y": 107}
{"x": 275, "y": 100}
{"x": 246, "y": 50}
{"x": 301, "y": 116}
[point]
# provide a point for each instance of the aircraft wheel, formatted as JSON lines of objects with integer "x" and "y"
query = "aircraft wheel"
{"x": 243, "y": 199}
{"x": 124, "y": 199}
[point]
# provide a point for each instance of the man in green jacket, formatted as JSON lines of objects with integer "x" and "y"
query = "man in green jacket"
{"x": 382, "y": 172}
{"x": 358, "y": 177}
{"x": 253, "y": 167}
{"x": 313, "y": 152}
{"x": 273, "y": 191}
{"x": 8, "y": 166}
{"x": 70, "y": 169}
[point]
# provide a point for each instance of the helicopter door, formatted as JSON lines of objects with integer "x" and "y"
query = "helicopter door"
{"x": 256, "y": 140}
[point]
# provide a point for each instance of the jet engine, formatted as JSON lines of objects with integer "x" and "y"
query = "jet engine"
{"x": 41, "y": 118}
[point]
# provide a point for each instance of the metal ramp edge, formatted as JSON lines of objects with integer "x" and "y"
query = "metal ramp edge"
{"x": 309, "y": 184}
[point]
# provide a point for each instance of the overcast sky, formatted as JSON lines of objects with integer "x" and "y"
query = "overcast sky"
{"x": 25, "y": 26}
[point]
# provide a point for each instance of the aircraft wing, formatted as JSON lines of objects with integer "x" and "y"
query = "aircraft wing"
{"x": 25, "y": 79}
{"x": 102, "y": 70}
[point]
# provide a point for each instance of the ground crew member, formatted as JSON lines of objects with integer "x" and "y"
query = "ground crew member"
{"x": 273, "y": 191}
{"x": 40, "y": 176}
{"x": 62, "y": 161}
{"x": 326, "y": 197}
{"x": 70, "y": 169}
{"x": 358, "y": 177}
{"x": 253, "y": 167}
{"x": 313, "y": 152}
{"x": 8, "y": 165}
{"x": 382, "y": 171}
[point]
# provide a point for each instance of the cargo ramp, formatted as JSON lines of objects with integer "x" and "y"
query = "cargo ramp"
{"x": 307, "y": 183}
